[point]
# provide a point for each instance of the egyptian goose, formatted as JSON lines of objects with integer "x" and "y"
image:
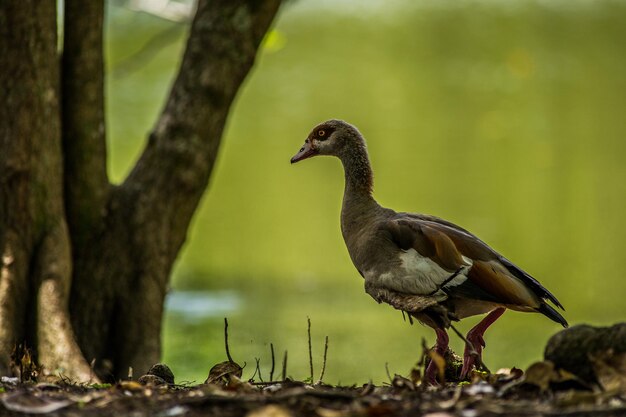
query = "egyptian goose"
{"x": 430, "y": 268}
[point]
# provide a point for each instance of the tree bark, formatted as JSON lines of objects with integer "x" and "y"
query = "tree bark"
{"x": 112, "y": 254}
{"x": 36, "y": 261}
{"x": 84, "y": 149}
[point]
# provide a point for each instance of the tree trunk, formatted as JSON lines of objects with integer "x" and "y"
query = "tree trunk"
{"x": 109, "y": 259}
{"x": 34, "y": 242}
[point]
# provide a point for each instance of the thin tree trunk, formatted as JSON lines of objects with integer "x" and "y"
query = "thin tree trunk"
{"x": 82, "y": 80}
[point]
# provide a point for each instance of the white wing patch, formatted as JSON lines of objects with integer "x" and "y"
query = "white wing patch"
{"x": 420, "y": 275}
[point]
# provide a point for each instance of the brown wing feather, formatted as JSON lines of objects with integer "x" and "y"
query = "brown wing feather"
{"x": 446, "y": 254}
{"x": 506, "y": 289}
{"x": 491, "y": 277}
{"x": 428, "y": 241}
{"x": 448, "y": 247}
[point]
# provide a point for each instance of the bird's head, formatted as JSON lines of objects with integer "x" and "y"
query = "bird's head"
{"x": 333, "y": 137}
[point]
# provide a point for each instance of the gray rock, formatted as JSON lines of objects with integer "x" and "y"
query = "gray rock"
{"x": 571, "y": 349}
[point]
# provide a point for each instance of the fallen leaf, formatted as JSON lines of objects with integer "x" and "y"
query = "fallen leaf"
{"x": 610, "y": 370}
{"x": 151, "y": 380}
{"x": 271, "y": 410}
{"x": 539, "y": 374}
{"x": 33, "y": 404}
{"x": 440, "y": 362}
{"x": 576, "y": 398}
{"x": 401, "y": 382}
{"x": 130, "y": 386}
{"x": 221, "y": 373}
{"x": 329, "y": 412}
{"x": 480, "y": 388}
{"x": 415, "y": 376}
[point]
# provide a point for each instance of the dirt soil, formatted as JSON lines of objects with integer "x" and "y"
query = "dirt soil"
{"x": 584, "y": 374}
{"x": 512, "y": 393}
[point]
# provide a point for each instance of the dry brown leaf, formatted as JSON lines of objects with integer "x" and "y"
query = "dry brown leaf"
{"x": 415, "y": 376}
{"x": 440, "y": 362}
{"x": 572, "y": 398}
{"x": 221, "y": 373}
{"x": 33, "y": 404}
{"x": 236, "y": 384}
{"x": 402, "y": 383}
{"x": 271, "y": 410}
{"x": 130, "y": 386}
{"x": 540, "y": 374}
{"x": 329, "y": 412}
{"x": 610, "y": 370}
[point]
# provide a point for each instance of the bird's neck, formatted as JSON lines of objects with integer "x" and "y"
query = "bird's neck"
{"x": 358, "y": 173}
{"x": 359, "y": 206}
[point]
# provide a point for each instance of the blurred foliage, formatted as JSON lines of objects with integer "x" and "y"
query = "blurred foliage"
{"x": 504, "y": 117}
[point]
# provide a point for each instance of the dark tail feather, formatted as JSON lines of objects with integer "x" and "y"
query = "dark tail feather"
{"x": 552, "y": 314}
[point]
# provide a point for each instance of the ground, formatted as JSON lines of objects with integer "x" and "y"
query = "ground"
{"x": 538, "y": 391}
{"x": 583, "y": 374}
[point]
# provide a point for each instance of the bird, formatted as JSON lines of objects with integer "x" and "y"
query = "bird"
{"x": 427, "y": 267}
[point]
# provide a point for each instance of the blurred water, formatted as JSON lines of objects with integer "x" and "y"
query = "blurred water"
{"x": 201, "y": 305}
{"x": 504, "y": 117}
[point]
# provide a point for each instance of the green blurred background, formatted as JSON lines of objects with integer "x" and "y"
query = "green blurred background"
{"x": 506, "y": 117}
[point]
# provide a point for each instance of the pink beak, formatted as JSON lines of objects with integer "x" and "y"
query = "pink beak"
{"x": 305, "y": 152}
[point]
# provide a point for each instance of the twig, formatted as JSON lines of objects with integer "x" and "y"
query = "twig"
{"x": 230, "y": 358}
{"x": 310, "y": 348}
{"x": 273, "y": 362}
{"x": 258, "y": 368}
{"x": 92, "y": 373}
{"x": 473, "y": 352}
{"x": 388, "y": 374}
{"x": 425, "y": 350}
{"x": 266, "y": 383}
{"x": 255, "y": 371}
{"x": 285, "y": 366}
{"x": 367, "y": 389}
{"x": 324, "y": 363}
{"x": 449, "y": 404}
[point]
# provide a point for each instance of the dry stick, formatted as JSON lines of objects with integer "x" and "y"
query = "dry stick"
{"x": 388, "y": 374}
{"x": 273, "y": 362}
{"x": 258, "y": 368}
{"x": 285, "y": 366}
{"x": 310, "y": 348}
{"x": 230, "y": 358}
{"x": 324, "y": 363}
{"x": 473, "y": 352}
{"x": 266, "y": 383}
{"x": 255, "y": 371}
{"x": 424, "y": 353}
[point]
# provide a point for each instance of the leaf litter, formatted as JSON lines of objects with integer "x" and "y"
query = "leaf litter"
{"x": 542, "y": 389}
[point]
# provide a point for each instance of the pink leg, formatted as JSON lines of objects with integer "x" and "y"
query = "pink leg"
{"x": 475, "y": 338}
{"x": 441, "y": 347}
